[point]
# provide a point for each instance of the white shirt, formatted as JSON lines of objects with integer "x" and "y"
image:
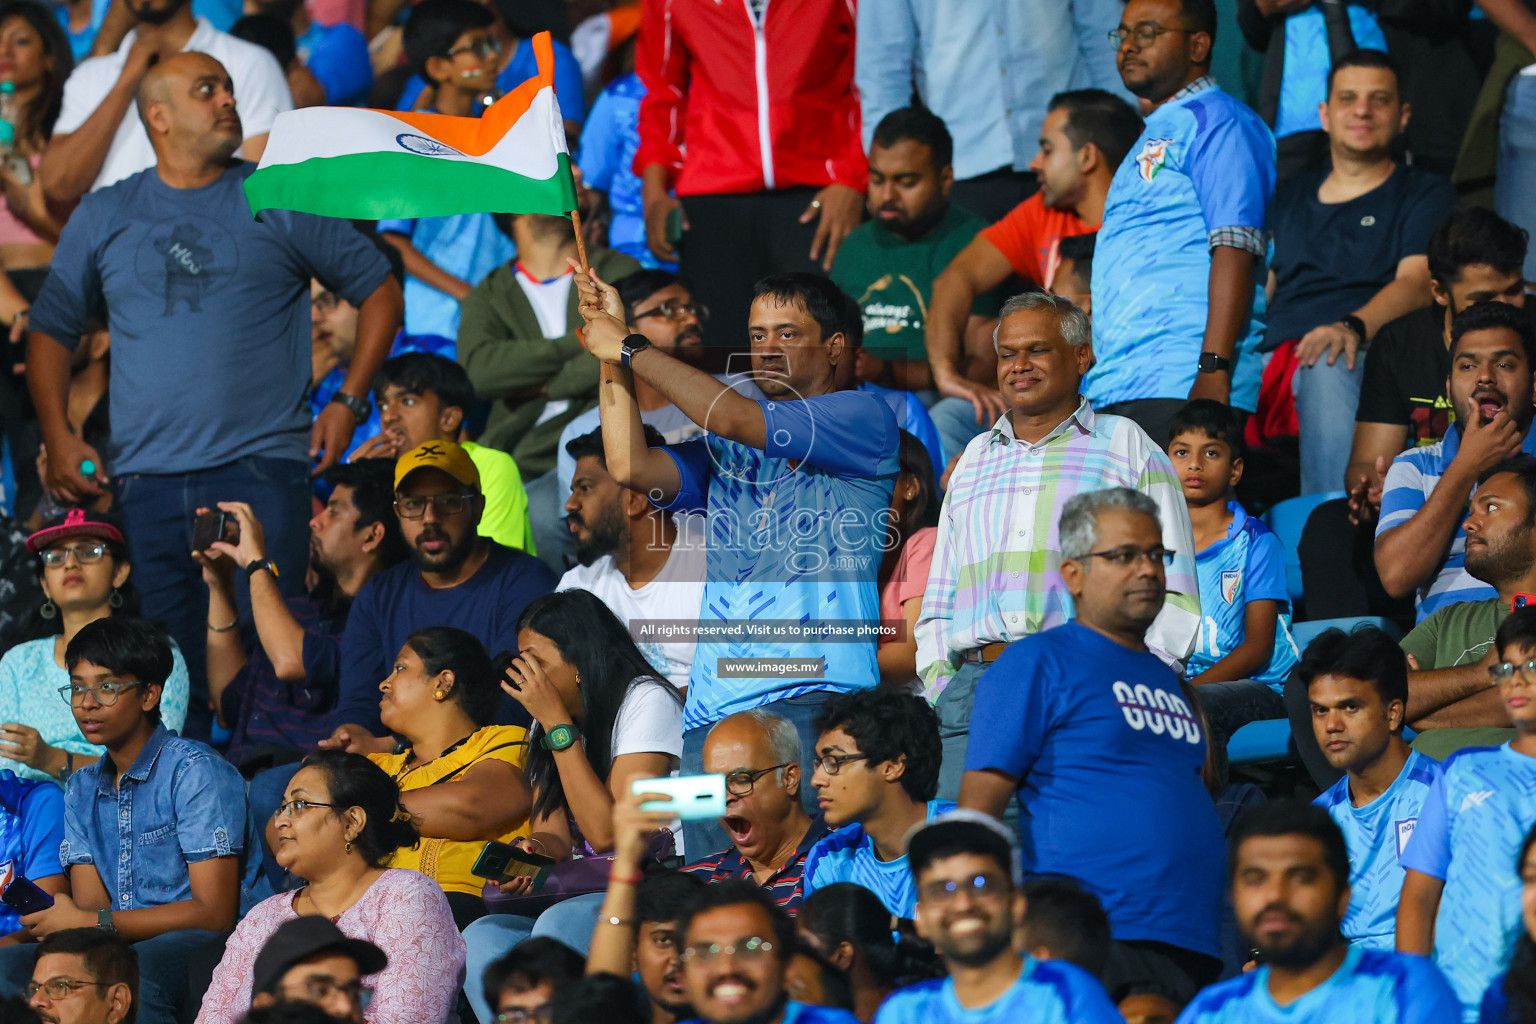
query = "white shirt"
{"x": 650, "y": 721}
{"x": 261, "y": 93}
{"x": 550, "y": 300}
{"x": 677, "y": 592}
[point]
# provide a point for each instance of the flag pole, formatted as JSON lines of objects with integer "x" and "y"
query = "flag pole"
{"x": 581, "y": 245}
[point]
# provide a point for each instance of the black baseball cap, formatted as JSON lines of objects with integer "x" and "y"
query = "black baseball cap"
{"x": 301, "y": 938}
{"x": 963, "y": 830}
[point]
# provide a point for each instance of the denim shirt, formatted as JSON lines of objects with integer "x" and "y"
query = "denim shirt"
{"x": 180, "y": 803}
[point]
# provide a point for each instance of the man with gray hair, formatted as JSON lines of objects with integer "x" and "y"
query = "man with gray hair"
{"x": 1094, "y": 734}
{"x": 769, "y": 832}
{"x": 996, "y": 573}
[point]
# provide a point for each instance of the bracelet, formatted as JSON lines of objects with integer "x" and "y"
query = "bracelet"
{"x": 635, "y": 879}
{"x": 225, "y": 629}
{"x": 622, "y": 922}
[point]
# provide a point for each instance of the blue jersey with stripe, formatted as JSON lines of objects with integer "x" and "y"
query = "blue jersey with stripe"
{"x": 1204, "y": 162}
{"x": 1370, "y": 987}
{"x": 1248, "y": 564}
{"x": 1469, "y": 833}
{"x": 1047, "y": 992}
{"x": 1376, "y": 835}
{"x": 848, "y": 855}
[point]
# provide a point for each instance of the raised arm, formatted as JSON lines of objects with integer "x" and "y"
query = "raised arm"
{"x": 73, "y": 159}
{"x": 978, "y": 267}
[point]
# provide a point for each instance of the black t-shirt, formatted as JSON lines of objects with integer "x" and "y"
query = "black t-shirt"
{"x": 1330, "y": 258}
{"x": 1406, "y": 366}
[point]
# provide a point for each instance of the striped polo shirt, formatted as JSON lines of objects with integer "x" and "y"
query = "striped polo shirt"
{"x": 786, "y": 885}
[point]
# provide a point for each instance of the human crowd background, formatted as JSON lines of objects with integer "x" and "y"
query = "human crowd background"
{"x": 1054, "y": 479}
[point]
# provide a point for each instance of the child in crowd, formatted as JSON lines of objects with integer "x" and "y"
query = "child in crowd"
{"x": 1074, "y": 270}
{"x": 157, "y": 841}
{"x": 1244, "y": 650}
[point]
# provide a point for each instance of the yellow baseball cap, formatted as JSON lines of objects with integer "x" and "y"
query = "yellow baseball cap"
{"x": 443, "y": 455}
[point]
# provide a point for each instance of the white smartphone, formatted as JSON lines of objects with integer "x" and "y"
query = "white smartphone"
{"x": 694, "y": 797}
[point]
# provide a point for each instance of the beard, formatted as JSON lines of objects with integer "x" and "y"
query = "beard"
{"x": 1501, "y": 561}
{"x": 768, "y": 1013}
{"x": 455, "y": 556}
{"x": 1307, "y": 948}
{"x": 989, "y": 945}
{"x": 604, "y": 537}
{"x": 157, "y": 15}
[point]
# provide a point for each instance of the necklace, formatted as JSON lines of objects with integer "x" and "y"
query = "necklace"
{"x": 404, "y": 771}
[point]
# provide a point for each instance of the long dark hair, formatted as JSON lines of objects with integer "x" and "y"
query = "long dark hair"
{"x": 42, "y": 113}
{"x": 608, "y": 663}
{"x": 1520, "y": 982}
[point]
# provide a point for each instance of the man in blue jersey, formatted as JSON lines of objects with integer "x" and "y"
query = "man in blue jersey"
{"x": 1178, "y": 279}
{"x": 736, "y": 946}
{"x": 1357, "y": 684}
{"x": 969, "y": 905}
{"x": 877, "y": 770}
{"x": 1459, "y": 898}
{"x": 1093, "y": 733}
{"x": 1420, "y": 543}
{"x": 1290, "y": 888}
{"x": 797, "y": 489}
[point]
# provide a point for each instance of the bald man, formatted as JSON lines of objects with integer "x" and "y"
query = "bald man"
{"x": 210, "y": 319}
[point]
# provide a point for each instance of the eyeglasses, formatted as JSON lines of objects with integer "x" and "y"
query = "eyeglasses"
{"x": 58, "y": 988}
{"x": 320, "y": 989}
{"x": 104, "y": 693}
{"x": 676, "y": 309}
{"x": 747, "y": 949}
{"x": 324, "y": 302}
{"x": 445, "y": 505}
{"x": 833, "y": 763}
{"x": 485, "y": 49}
{"x": 294, "y": 808}
{"x": 523, "y": 1014}
{"x": 85, "y": 554}
{"x": 1129, "y": 554}
{"x": 979, "y": 886}
{"x": 1507, "y": 672}
{"x": 741, "y": 783}
{"x": 1145, "y": 34}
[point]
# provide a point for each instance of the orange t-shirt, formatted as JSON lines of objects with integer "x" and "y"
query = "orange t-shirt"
{"x": 1029, "y": 237}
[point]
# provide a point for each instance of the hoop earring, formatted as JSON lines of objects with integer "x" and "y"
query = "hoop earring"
{"x": 349, "y": 846}
{"x": 115, "y": 599}
{"x": 49, "y": 610}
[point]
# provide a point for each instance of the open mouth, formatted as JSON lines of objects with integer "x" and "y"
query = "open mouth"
{"x": 1488, "y": 404}
{"x": 739, "y": 829}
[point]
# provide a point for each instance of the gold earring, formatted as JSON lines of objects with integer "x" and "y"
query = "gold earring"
{"x": 438, "y": 694}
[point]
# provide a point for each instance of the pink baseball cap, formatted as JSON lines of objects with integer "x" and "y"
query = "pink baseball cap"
{"x": 77, "y": 522}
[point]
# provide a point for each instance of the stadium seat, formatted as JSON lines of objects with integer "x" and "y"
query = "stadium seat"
{"x": 1306, "y": 632}
{"x": 1288, "y": 519}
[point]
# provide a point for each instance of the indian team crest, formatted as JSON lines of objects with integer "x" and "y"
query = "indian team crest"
{"x": 1153, "y": 155}
{"x": 1231, "y": 585}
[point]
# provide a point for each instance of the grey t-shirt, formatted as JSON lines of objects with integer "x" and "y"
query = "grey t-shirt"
{"x": 209, "y": 313}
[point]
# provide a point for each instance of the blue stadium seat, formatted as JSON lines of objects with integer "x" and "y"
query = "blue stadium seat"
{"x": 1306, "y": 632}
{"x": 1288, "y": 519}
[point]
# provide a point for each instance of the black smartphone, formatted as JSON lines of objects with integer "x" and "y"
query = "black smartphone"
{"x": 23, "y": 896}
{"x": 501, "y": 863}
{"x": 214, "y": 526}
{"x": 674, "y": 226}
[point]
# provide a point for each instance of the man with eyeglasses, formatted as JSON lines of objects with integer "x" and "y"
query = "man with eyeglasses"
{"x": 877, "y": 769}
{"x": 1457, "y": 904}
{"x": 970, "y": 906}
{"x": 453, "y": 575}
{"x": 310, "y": 960}
{"x": 1178, "y": 282}
{"x": 84, "y": 976}
{"x": 1095, "y": 736}
{"x": 737, "y": 945}
{"x": 525, "y": 984}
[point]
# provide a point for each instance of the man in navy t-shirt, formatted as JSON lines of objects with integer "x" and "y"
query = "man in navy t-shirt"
{"x": 1096, "y": 737}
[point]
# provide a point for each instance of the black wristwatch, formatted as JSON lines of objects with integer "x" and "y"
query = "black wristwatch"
{"x": 1210, "y": 362}
{"x": 360, "y": 408}
{"x": 1355, "y": 324}
{"x": 256, "y": 567}
{"x": 632, "y": 344}
{"x": 104, "y": 922}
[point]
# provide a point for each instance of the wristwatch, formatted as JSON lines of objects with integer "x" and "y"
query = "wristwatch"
{"x": 104, "y": 922}
{"x": 632, "y": 344}
{"x": 1210, "y": 362}
{"x": 68, "y": 769}
{"x": 360, "y": 408}
{"x": 1355, "y": 324}
{"x": 561, "y": 737}
{"x": 256, "y": 567}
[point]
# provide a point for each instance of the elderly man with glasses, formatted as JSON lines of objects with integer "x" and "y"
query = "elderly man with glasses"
{"x": 84, "y": 976}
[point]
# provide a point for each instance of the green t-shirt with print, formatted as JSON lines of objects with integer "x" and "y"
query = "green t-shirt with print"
{"x": 1458, "y": 634}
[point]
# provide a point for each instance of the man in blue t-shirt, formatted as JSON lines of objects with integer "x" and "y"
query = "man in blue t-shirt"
{"x": 31, "y": 829}
{"x": 1357, "y": 685}
{"x": 969, "y": 905}
{"x": 1178, "y": 281}
{"x": 1460, "y": 900}
{"x": 797, "y": 489}
{"x": 1290, "y": 885}
{"x": 877, "y": 770}
{"x": 210, "y": 319}
{"x": 1098, "y": 740}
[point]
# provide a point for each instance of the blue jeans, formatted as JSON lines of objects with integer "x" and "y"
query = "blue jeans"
{"x": 492, "y": 937}
{"x": 1514, "y": 193}
{"x": 158, "y": 511}
{"x": 163, "y": 962}
{"x": 1326, "y": 397}
{"x": 702, "y": 838}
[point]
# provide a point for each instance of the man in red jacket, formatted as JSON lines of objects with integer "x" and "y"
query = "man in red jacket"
{"x": 751, "y": 118}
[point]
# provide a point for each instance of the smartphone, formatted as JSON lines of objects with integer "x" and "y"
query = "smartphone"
{"x": 214, "y": 526}
{"x": 501, "y": 862}
{"x": 25, "y": 897}
{"x": 1521, "y": 601}
{"x": 675, "y": 226}
{"x": 694, "y": 797}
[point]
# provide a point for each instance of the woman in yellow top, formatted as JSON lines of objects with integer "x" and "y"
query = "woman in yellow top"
{"x": 461, "y": 778}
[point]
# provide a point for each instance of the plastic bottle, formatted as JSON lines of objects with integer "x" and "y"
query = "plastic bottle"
{"x": 15, "y": 163}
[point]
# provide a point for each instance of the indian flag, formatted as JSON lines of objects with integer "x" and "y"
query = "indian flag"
{"x": 375, "y": 164}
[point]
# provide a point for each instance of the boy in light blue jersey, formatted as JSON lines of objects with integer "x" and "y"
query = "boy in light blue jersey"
{"x": 1244, "y": 651}
{"x": 1357, "y": 684}
{"x": 1290, "y": 888}
{"x": 969, "y": 905}
{"x": 877, "y": 770}
{"x": 1458, "y": 893}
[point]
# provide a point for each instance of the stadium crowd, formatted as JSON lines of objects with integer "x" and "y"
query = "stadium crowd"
{"x": 1009, "y": 511}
